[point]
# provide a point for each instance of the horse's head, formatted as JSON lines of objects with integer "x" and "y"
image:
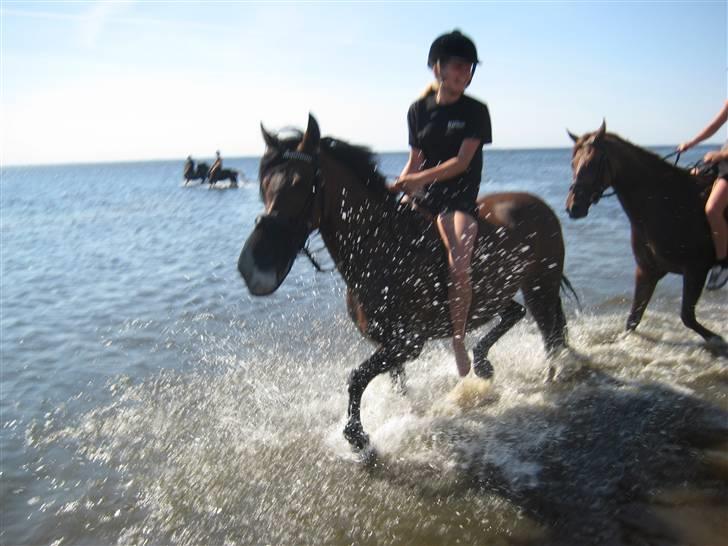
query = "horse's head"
{"x": 289, "y": 187}
{"x": 589, "y": 165}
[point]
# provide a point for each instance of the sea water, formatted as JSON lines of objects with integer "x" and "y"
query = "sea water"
{"x": 147, "y": 398}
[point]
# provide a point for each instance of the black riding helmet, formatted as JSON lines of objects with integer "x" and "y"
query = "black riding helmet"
{"x": 452, "y": 44}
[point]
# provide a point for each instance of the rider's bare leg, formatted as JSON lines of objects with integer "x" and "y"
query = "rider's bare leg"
{"x": 715, "y": 210}
{"x": 458, "y": 231}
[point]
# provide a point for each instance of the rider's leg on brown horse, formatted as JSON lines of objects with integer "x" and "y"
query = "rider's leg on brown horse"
{"x": 715, "y": 211}
{"x": 458, "y": 231}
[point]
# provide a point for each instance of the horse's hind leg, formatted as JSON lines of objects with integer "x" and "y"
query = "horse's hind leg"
{"x": 385, "y": 358}
{"x": 692, "y": 288}
{"x": 544, "y": 302}
{"x": 513, "y": 312}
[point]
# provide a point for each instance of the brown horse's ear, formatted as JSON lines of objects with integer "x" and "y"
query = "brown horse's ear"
{"x": 601, "y": 131}
{"x": 270, "y": 140}
{"x": 311, "y": 137}
{"x": 572, "y": 136}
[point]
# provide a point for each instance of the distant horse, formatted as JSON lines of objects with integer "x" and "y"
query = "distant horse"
{"x": 665, "y": 206}
{"x": 219, "y": 175}
{"x": 392, "y": 259}
{"x": 193, "y": 172}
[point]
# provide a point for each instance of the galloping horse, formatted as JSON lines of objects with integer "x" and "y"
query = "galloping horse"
{"x": 223, "y": 174}
{"x": 392, "y": 259}
{"x": 665, "y": 206}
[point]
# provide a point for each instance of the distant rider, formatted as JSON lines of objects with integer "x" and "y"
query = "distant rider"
{"x": 189, "y": 165}
{"x": 216, "y": 167}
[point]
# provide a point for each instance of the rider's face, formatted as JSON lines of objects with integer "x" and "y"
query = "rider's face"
{"x": 455, "y": 74}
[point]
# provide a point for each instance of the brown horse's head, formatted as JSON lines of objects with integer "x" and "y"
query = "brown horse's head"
{"x": 590, "y": 172}
{"x": 289, "y": 187}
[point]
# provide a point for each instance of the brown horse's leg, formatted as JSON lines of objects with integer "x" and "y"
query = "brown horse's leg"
{"x": 509, "y": 317}
{"x": 645, "y": 282}
{"x": 385, "y": 358}
{"x": 692, "y": 288}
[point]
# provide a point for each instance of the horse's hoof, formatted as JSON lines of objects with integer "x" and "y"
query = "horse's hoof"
{"x": 717, "y": 345}
{"x": 483, "y": 368}
{"x": 399, "y": 380}
{"x": 355, "y": 435}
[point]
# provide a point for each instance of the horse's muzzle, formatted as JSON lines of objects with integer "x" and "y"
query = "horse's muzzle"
{"x": 576, "y": 212}
{"x": 268, "y": 255}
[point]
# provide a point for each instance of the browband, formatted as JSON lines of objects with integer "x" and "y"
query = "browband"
{"x": 298, "y": 155}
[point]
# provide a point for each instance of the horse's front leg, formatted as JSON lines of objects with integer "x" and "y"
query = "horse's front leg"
{"x": 645, "y": 280}
{"x": 385, "y": 358}
{"x": 513, "y": 312}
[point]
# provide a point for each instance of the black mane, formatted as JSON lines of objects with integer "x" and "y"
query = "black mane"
{"x": 360, "y": 159}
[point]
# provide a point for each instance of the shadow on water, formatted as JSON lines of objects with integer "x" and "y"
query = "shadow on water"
{"x": 624, "y": 463}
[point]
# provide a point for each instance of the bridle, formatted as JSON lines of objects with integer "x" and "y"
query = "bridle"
{"x": 602, "y": 167}
{"x": 302, "y": 224}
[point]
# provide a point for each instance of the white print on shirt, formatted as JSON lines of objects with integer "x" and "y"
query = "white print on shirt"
{"x": 454, "y": 125}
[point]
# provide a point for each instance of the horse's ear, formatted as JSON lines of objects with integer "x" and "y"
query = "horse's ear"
{"x": 572, "y": 136}
{"x": 601, "y": 131}
{"x": 270, "y": 140}
{"x": 310, "y": 142}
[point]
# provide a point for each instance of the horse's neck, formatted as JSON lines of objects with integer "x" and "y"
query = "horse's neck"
{"x": 350, "y": 217}
{"x": 641, "y": 184}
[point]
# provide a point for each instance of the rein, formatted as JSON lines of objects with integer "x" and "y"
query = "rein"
{"x": 700, "y": 166}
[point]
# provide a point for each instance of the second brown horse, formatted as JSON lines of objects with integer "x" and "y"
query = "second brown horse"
{"x": 392, "y": 259}
{"x": 665, "y": 206}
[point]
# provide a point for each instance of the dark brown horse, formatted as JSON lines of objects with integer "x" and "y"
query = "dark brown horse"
{"x": 665, "y": 206}
{"x": 195, "y": 172}
{"x": 391, "y": 257}
{"x": 219, "y": 175}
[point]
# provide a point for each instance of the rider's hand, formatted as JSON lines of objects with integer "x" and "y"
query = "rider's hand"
{"x": 407, "y": 185}
{"x": 712, "y": 157}
{"x": 684, "y": 146}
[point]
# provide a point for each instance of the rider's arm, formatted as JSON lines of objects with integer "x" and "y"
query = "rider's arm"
{"x": 709, "y": 130}
{"x": 450, "y": 168}
{"x": 414, "y": 162}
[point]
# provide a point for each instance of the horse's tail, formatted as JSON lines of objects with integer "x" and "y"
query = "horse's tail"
{"x": 566, "y": 285}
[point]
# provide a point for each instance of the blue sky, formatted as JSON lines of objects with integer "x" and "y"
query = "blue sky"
{"x": 107, "y": 81}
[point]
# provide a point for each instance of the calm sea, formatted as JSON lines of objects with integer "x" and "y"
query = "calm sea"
{"x": 148, "y": 399}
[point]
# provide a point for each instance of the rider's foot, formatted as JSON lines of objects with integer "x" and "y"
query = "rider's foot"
{"x": 462, "y": 359}
{"x": 718, "y": 275}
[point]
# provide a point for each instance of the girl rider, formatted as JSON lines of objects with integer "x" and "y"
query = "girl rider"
{"x": 447, "y": 131}
{"x": 717, "y": 200}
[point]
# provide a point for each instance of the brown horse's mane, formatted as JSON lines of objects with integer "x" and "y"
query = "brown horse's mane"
{"x": 660, "y": 169}
{"x": 360, "y": 159}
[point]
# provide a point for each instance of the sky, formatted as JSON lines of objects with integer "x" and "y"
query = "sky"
{"x": 117, "y": 81}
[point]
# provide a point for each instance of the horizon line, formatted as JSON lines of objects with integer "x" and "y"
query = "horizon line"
{"x": 238, "y": 157}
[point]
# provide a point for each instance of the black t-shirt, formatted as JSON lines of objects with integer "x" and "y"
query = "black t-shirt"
{"x": 439, "y": 130}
